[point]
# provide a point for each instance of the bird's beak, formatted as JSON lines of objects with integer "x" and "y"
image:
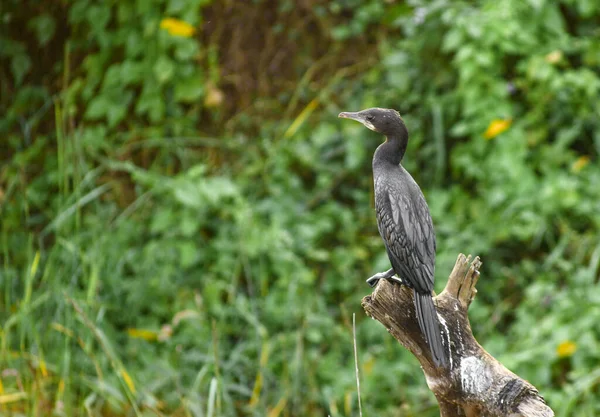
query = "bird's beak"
{"x": 359, "y": 117}
{"x": 352, "y": 115}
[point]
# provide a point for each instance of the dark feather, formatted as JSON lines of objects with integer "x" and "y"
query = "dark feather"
{"x": 405, "y": 225}
{"x": 407, "y": 230}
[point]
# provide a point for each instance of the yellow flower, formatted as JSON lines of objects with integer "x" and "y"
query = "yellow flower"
{"x": 177, "y": 27}
{"x": 580, "y": 163}
{"x": 148, "y": 335}
{"x": 566, "y": 349}
{"x": 496, "y": 127}
{"x": 554, "y": 57}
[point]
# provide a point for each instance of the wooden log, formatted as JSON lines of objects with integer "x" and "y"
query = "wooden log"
{"x": 474, "y": 383}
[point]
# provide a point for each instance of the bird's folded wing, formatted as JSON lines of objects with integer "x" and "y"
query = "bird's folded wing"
{"x": 405, "y": 224}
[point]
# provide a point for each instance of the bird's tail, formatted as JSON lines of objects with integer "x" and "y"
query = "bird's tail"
{"x": 430, "y": 326}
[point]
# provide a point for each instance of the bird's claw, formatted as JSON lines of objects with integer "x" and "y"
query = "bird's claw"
{"x": 373, "y": 281}
{"x": 396, "y": 279}
{"x": 389, "y": 275}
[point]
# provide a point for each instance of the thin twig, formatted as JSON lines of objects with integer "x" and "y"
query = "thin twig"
{"x": 356, "y": 363}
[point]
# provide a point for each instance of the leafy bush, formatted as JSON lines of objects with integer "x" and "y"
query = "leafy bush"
{"x": 186, "y": 226}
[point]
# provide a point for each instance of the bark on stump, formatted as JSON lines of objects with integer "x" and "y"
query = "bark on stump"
{"x": 474, "y": 383}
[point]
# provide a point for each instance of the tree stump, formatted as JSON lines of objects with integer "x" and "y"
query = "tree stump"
{"x": 474, "y": 383}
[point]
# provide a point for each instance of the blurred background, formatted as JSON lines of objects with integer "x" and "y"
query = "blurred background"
{"x": 186, "y": 226}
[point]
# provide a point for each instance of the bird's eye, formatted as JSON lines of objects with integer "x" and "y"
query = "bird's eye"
{"x": 370, "y": 117}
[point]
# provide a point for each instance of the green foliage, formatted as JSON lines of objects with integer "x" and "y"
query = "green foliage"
{"x": 186, "y": 226}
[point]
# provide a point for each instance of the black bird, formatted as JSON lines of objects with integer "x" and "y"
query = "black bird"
{"x": 404, "y": 222}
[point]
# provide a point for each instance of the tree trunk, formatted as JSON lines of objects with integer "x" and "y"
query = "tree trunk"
{"x": 474, "y": 383}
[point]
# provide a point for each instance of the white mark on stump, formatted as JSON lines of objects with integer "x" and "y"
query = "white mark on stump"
{"x": 474, "y": 375}
{"x": 443, "y": 323}
{"x": 460, "y": 339}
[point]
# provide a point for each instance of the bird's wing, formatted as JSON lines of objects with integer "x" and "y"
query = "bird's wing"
{"x": 406, "y": 227}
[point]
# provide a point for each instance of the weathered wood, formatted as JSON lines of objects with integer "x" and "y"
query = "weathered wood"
{"x": 474, "y": 383}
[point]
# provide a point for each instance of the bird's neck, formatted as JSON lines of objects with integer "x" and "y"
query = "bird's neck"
{"x": 392, "y": 150}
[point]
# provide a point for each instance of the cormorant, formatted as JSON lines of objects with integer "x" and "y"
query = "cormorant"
{"x": 404, "y": 222}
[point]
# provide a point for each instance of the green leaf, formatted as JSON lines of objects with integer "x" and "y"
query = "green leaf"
{"x": 98, "y": 107}
{"x": 44, "y": 27}
{"x": 188, "y": 253}
{"x": 188, "y": 194}
{"x": 189, "y": 90}
{"x": 20, "y": 65}
{"x": 151, "y": 103}
{"x": 164, "y": 69}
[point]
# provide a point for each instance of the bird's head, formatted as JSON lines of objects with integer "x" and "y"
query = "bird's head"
{"x": 384, "y": 121}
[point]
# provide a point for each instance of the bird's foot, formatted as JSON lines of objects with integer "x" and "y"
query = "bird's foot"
{"x": 389, "y": 275}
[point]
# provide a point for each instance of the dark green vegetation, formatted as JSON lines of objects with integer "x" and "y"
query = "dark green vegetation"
{"x": 186, "y": 226}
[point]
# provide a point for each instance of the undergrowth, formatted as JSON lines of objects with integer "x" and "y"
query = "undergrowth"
{"x": 186, "y": 227}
